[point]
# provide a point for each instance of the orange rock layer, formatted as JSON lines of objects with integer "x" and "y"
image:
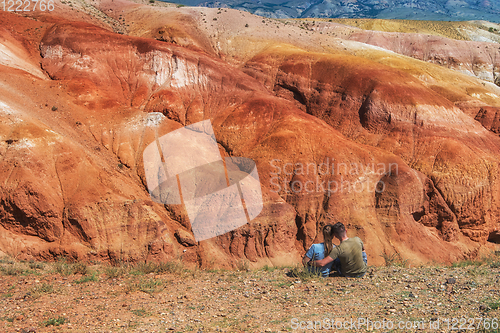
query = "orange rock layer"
{"x": 336, "y": 137}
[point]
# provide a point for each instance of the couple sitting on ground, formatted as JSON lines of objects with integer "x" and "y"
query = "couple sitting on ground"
{"x": 348, "y": 259}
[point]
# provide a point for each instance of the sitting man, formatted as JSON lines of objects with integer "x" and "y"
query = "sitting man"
{"x": 350, "y": 252}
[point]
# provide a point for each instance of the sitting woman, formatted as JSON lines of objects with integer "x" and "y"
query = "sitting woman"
{"x": 319, "y": 251}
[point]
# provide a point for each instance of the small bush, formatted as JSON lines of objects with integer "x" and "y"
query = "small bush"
{"x": 36, "y": 265}
{"x": 80, "y": 268}
{"x": 64, "y": 268}
{"x": 170, "y": 267}
{"x": 13, "y": 270}
{"x": 267, "y": 268}
{"x": 144, "y": 268}
{"x": 243, "y": 265}
{"x": 113, "y": 272}
{"x": 8, "y": 319}
{"x": 148, "y": 286}
{"x": 6, "y": 260}
{"x": 394, "y": 259}
{"x": 140, "y": 312}
{"x": 54, "y": 321}
{"x": 495, "y": 264}
{"x": 302, "y": 273}
{"x": 41, "y": 289}
{"x": 494, "y": 305}
{"x": 88, "y": 278}
{"x": 152, "y": 267}
{"x": 466, "y": 263}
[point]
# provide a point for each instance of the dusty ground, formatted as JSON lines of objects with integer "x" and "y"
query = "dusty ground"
{"x": 62, "y": 297}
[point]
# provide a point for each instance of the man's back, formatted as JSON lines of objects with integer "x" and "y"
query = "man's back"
{"x": 350, "y": 253}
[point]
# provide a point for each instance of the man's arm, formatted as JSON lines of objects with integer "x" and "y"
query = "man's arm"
{"x": 322, "y": 262}
{"x": 328, "y": 259}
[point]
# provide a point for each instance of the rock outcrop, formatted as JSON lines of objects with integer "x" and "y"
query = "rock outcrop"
{"x": 335, "y": 137}
{"x": 388, "y": 109}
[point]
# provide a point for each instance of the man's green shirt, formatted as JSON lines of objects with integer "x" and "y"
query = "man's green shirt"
{"x": 350, "y": 253}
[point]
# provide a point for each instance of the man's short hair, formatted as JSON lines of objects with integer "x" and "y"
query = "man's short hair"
{"x": 338, "y": 229}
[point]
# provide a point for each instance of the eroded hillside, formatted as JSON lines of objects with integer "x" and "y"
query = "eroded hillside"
{"x": 411, "y": 146}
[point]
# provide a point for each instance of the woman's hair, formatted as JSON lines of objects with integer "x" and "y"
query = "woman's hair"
{"x": 327, "y": 239}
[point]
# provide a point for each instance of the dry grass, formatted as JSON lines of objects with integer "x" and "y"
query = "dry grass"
{"x": 155, "y": 297}
{"x": 437, "y": 28}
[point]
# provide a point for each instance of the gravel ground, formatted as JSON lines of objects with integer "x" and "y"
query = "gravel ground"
{"x": 64, "y": 297}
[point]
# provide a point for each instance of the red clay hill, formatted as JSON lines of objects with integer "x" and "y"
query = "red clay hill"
{"x": 404, "y": 152}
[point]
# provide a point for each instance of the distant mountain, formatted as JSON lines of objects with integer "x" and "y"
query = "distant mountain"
{"x": 451, "y": 10}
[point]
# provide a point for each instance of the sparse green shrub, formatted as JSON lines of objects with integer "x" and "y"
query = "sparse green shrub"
{"x": 302, "y": 273}
{"x": 394, "y": 259}
{"x": 495, "y": 264}
{"x": 113, "y": 272}
{"x": 8, "y": 319}
{"x": 41, "y": 289}
{"x": 158, "y": 268}
{"x": 13, "y": 270}
{"x": 144, "y": 268}
{"x": 151, "y": 286}
{"x": 170, "y": 267}
{"x": 478, "y": 270}
{"x": 88, "y": 278}
{"x": 243, "y": 265}
{"x": 148, "y": 286}
{"x": 6, "y": 260}
{"x": 54, "y": 321}
{"x": 465, "y": 263}
{"x": 64, "y": 268}
{"x": 267, "y": 268}
{"x": 140, "y": 312}
{"x": 80, "y": 268}
{"x": 36, "y": 265}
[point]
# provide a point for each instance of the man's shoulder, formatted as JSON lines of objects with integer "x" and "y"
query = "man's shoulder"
{"x": 356, "y": 239}
{"x": 353, "y": 241}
